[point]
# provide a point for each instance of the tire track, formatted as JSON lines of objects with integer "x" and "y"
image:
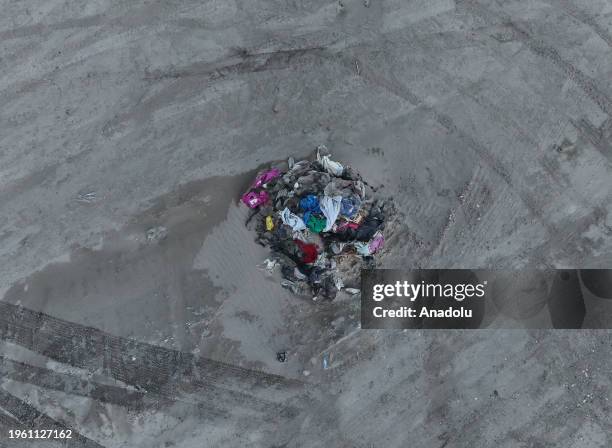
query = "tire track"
{"x": 583, "y": 17}
{"x": 132, "y": 400}
{"x": 7, "y": 422}
{"x": 484, "y": 154}
{"x": 596, "y": 136}
{"x": 244, "y": 63}
{"x": 30, "y": 418}
{"x": 560, "y": 237}
{"x": 492, "y": 161}
{"x": 77, "y": 345}
{"x": 198, "y": 75}
{"x": 539, "y": 48}
{"x": 150, "y": 368}
{"x": 49, "y": 379}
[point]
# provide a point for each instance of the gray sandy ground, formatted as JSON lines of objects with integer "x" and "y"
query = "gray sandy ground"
{"x": 489, "y": 123}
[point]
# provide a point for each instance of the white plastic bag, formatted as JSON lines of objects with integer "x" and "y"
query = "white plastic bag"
{"x": 331, "y": 166}
{"x": 362, "y": 248}
{"x": 293, "y": 220}
{"x": 330, "y": 206}
{"x": 268, "y": 265}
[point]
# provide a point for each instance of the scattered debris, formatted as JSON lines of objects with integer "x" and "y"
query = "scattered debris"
{"x": 269, "y": 223}
{"x": 321, "y": 222}
{"x": 88, "y": 197}
{"x": 268, "y": 265}
{"x": 156, "y": 234}
{"x": 281, "y": 356}
{"x": 325, "y": 361}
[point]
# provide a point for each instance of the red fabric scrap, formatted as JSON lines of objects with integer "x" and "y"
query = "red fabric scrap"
{"x": 309, "y": 251}
{"x": 345, "y": 225}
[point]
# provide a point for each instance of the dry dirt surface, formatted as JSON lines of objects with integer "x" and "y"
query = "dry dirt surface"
{"x": 133, "y": 311}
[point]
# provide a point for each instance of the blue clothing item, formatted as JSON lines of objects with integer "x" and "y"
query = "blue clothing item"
{"x": 349, "y": 206}
{"x": 306, "y": 217}
{"x": 310, "y": 203}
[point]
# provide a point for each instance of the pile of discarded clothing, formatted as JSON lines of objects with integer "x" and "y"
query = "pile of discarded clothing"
{"x": 313, "y": 215}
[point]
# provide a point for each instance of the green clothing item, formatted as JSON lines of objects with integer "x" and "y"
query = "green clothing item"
{"x": 316, "y": 224}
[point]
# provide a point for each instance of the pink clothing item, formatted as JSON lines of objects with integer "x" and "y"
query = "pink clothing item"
{"x": 266, "y": 177}
{"x": 254, "y": 199}
{"x": 377, "y": 242}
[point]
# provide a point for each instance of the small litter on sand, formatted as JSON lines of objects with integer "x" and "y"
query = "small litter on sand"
{"x": 325, "y": 361}
{"x": 321, "y": 222}
{"x": 268, "y": 266}
{"x": 156, "y": 234}
{"x": 87, "y": 197}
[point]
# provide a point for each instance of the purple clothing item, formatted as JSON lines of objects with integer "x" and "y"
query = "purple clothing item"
{"x": 254, "y": 199}
{"x": 377, "y": 243}
{"x": 266, "y": 177}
